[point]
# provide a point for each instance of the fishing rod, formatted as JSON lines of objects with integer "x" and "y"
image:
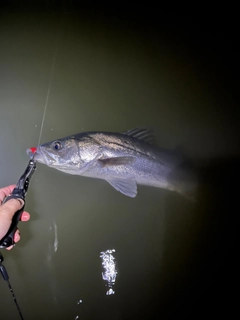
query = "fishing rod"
{"x": 19, "y": 192}
{"x": 6, "y": 278}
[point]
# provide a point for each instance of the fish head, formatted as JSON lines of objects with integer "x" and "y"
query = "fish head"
{"x": 62, "y": 154}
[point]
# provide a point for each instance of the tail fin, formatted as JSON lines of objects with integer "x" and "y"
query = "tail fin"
{"x": 184, "y": 181}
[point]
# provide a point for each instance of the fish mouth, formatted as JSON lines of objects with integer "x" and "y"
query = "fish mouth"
{"x": 39, "y": 155}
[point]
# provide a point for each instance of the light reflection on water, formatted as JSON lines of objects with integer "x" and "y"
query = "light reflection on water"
{"x": 109, "y": 266}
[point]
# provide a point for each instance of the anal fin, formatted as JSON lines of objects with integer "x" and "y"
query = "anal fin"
{"x": 127, "y": 187}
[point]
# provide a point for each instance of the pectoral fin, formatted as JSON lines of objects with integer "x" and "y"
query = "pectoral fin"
{"x": 117, "y": 161}
{"x": 125, "y": 186}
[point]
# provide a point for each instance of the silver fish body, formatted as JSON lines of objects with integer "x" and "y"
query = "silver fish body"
{"x": 122, "y": 159}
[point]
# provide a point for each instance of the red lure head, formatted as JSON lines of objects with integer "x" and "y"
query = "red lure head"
{"x": 33, "y": 150}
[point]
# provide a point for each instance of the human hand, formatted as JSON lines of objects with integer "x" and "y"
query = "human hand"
{"x": 7, "y": 211}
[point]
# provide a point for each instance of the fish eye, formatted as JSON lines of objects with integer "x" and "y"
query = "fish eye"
{"x": 57, "y": 145}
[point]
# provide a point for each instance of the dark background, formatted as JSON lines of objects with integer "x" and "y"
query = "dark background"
{"x": 198, "y": 276}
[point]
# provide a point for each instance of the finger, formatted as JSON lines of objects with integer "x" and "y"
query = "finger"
{"x": 25, "y": 216}
{"x": 9, "y": 248}
{"x": 16, "y": 237}
{"x": 4, "y": 192}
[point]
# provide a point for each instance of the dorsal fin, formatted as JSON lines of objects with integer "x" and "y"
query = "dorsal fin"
{"x": 145, "y": 135}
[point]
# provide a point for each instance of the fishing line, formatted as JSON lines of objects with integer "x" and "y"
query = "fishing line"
{"x": 48, "y": 90}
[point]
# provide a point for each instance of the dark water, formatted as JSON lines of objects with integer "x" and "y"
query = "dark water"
{"x": 113, "y": 70}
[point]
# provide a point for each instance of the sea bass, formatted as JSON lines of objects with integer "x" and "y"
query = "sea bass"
{"x": 122, "y": 159}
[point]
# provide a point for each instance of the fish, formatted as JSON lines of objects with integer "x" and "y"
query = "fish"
{"x": 124, "y": 160}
